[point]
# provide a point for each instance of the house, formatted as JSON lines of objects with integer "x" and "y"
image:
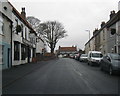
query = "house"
{"x": 107, "y": 38}
{"x": 5, "y": 35}
{"x": 40, "y": 47}
{"x": 67, "y": 51}
{"x": 23, "y": 38}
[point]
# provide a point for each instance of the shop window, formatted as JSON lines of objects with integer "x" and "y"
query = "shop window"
{"x": 23, "y": 52}
{"x": 1, "y": 54}
{"x": 16, "y": 51}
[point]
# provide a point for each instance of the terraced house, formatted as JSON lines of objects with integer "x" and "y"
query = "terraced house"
{"x": 107, "y": 38}
{"x": 23, "y": 38}
{"x": 5, "y": 35}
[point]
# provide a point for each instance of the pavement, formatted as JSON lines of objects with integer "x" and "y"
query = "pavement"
{"x": 16, "y": 72}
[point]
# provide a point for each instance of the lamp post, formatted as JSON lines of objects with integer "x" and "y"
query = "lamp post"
{"x": 89, "y": 33}
{"x": 89, "y": 39}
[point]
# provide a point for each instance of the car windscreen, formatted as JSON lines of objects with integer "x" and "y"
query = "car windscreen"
{"x": 115, "y": 56}
{"x": 97, "y": 55}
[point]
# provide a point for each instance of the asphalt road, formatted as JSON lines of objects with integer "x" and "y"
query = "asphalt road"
{"x": 64, "y": 76}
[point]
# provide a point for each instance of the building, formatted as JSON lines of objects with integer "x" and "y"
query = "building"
{"x": 5, "y": 34}
{"x": 23, "y": 38}
{"x": 40, "y": 47}
{"x": 107, "y": 38}
{"x": 67, "y": 51}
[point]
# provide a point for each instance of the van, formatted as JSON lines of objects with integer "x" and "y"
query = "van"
{"x": 94, "y": 57}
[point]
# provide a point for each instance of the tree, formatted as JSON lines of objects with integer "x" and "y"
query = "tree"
{"x": 51, "y": 31}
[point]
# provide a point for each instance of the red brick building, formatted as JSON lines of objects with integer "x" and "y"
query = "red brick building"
{"x": 67, "y": 51}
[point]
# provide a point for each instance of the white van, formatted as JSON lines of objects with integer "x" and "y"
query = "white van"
{"x": 94, "y": 57}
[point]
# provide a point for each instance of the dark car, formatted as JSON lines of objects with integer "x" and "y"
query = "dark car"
{"x": 111, "y": 63}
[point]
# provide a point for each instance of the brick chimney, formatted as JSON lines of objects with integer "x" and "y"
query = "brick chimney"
{"x": 102, "y": 24}
{"x": 112, "y": 14}
{"x": 23, "y": 13}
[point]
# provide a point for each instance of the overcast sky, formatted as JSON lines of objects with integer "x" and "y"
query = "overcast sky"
{"x": 76, "y": 16}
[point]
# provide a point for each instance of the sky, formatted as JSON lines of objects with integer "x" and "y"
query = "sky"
{"x": 77, "y": 16}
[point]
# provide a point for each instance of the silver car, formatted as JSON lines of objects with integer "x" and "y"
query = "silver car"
{"x": 83, "y": 58}
{"x": 111, "y": 63}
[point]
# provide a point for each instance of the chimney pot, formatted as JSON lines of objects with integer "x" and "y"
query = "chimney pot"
{"x": 112, "y": 14}
{"x": 102, "y": 24}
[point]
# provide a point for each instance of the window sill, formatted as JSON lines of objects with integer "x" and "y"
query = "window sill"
{"x": 2, "y": 34}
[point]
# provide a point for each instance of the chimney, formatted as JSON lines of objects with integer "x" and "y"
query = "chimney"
{"x": 102, "y": 24}
{"x": 23, "y": 13}
{"x": 96, "y": 29}
{"x": 112, "y": 14}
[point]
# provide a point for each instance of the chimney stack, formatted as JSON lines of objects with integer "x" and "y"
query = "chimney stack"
{"x": 112, "y": 14}
{"x": 102, "y": 24}
{"x": 23, "y": 13}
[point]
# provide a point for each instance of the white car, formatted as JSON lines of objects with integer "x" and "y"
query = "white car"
{"x": 94, "y": 57}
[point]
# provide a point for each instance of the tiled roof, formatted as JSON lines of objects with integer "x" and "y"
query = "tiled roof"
{"x": 67, "y": 49}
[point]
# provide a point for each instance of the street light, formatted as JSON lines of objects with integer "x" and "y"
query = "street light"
{"x": 89, "y": 33}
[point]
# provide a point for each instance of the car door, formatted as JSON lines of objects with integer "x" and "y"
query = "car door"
{"x": 107, "y": 62}
{"x": 103, "y": 62}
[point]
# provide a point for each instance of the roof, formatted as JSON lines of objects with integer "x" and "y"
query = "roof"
{"x": 22, "y": 19}
{"x": 67, "y": 49}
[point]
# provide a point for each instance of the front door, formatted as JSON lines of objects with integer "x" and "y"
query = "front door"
{"x": 8, "y": 59}
{"x": 29, "y": 54}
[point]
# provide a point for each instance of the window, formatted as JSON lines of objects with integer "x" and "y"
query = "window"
{"x": 1, "y": 27}
{"x": 16, "y": 51}
{"x": 1, "y": 54}
{"x": 25, "y": 33}
{"x": 23, "y": 52}
{"x": 103, "y": 35}
{"x": 22, "y": 30}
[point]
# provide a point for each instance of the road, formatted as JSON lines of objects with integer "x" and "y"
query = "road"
{"x": 64, "y": 76}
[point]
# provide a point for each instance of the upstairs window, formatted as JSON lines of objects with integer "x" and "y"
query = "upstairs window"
{"x": 1, "y": 27}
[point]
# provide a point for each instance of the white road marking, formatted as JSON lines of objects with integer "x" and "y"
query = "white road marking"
{"x": 80, "y": 74}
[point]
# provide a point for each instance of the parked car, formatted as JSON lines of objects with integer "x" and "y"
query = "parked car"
{"x": 77, "y": 56}
{"x": 111, "y": 63}
{"x": 72, "y": 56}
{"x": 83, "y": 58}
{"x": 94, "y": 57}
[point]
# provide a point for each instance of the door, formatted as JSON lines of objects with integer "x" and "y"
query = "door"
{"x": 29, "y": 54}
{"x": 8, "y": 59}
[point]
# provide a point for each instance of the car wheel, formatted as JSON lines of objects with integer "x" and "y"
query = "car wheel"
{"x": 110, "y": 70}
{"x": 88, "y": 63}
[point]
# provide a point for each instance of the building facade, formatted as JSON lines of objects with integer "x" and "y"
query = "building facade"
{"x": 5, "y": 34}
{"x": 67, "y": 51}
{"x": 23, "y": 39}
{"x": 107, "y": 38}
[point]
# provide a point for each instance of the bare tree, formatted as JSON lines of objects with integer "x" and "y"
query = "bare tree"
{"x": 51, "y": 31}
